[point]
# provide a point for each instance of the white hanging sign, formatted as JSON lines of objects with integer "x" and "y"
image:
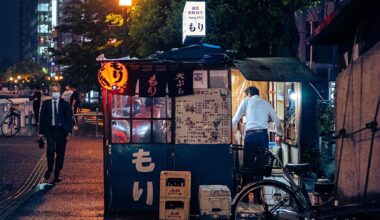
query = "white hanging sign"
{"x": 194, "y": 20}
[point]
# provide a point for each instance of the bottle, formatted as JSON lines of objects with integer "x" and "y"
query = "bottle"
{"x": 238, "y": 137}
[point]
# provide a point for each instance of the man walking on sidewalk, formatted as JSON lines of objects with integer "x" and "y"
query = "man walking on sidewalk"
{"x": 56, "y": 127}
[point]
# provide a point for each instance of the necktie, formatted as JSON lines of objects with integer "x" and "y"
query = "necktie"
{"x": 55, "y": 114}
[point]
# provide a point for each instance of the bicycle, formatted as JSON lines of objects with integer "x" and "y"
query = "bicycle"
{"x": 11, "y": 124}
{"x": 277, "y": 199}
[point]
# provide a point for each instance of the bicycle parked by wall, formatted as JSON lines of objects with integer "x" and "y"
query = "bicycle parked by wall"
{"x": 11, "y": 124}
{"x": 277, "y": 197}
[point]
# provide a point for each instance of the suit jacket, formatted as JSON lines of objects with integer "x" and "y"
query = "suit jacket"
{"x": 64, "y": 116}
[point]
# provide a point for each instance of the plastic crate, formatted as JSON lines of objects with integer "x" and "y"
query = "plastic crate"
{"x": 174, "y": 209}
{"x": 175, "y": 184}
{"x": 214, "y": 200}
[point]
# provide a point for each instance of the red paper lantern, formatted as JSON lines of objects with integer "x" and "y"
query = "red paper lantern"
{"x": 112, "y": 75}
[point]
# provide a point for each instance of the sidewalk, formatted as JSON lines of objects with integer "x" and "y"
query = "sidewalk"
{"x": 80, "y": 194}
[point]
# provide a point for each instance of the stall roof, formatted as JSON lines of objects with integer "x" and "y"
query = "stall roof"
{"x": 282, "y": 69}
{"x": 192, "y": 52}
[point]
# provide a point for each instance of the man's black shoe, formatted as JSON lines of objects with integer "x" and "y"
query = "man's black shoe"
{"x": 47, "y": 175}
{"x": 57, "y": 180}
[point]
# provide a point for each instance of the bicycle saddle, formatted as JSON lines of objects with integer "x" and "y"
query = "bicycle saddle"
{"x": 298, "y": 168}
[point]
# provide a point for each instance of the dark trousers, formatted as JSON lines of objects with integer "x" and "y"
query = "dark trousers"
{"x": 75, "y": 118}
{"x": 36, "y": 110}
{"x": 253, "y": 141}
{"x": 56, "y": 147}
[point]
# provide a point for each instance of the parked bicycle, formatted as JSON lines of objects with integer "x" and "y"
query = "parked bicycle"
{"x": 284, "y": 197}
{"x": 11, "y": 124}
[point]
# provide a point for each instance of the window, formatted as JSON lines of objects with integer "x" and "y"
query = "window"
{"x": 141, "y": 120}
{"x": 42, "y": 50}
{"x": 43, "y": 7}
{"x": 43, "y": 28}
{"x": 44, "y": 18}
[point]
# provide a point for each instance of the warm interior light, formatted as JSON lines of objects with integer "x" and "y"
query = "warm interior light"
{"x": 125, "y": 2}
{"x": 293, "y": 96}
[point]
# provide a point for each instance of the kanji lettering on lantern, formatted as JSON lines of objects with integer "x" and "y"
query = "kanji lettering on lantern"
{"x": 137, "y": 192}
{"x": 143, "y": 162}
{"x": 117, "y": 72}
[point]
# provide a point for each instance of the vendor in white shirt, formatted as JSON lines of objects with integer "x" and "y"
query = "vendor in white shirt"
{"x": 257, "y": 111}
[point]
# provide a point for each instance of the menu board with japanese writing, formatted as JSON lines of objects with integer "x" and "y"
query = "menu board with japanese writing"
{"x": 204, "y": 118}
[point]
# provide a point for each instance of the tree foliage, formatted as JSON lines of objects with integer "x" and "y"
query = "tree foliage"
{"x": 94, "y": 31}
{"x": 25, "y": 69}
{"x": 253, "y": 27}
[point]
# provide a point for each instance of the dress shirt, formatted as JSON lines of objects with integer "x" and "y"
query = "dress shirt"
{"x": 257, "y": 111}
{"x": 52, "y": 110}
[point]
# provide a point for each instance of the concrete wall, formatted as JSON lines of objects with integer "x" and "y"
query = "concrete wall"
{"x": 360, "y": 105}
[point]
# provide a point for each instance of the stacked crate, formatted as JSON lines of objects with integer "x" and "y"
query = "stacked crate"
{"x": 175, "y": 190}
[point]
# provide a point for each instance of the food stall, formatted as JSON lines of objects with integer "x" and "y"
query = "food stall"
{"x": 286, "y": 83}
{"x": 169, "y": 112}
{"x": 173, "y": 111}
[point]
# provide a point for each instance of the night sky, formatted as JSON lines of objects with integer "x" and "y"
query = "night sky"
{"x": 9, "y": 29}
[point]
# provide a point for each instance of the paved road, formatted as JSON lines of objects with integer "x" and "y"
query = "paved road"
{"x": 18, "y": 157}
{"x": 80, "y": 194}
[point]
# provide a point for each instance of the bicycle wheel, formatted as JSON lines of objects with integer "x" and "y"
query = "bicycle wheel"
{"x": 10, "y": 126}
{"x": 267, "y": 199}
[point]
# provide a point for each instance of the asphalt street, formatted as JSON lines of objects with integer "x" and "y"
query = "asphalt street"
{"x": 78, "y": 196}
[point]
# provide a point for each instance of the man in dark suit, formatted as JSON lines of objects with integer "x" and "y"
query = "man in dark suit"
{"x": 56, "y": 126}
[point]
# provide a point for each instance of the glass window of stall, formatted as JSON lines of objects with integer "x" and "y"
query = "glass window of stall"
{"x": 141, "y": 119}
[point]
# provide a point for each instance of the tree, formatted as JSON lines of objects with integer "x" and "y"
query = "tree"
{"x": 93, "y": 32}
{"x": 154, "y": 26}
{"x": 25, "y": 73}
{"x": 253, "y": 28}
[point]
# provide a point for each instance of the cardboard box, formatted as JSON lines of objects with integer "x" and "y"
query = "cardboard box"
{"x": 174, "y": 209}
{"x": 214, "y": 200}
{"x": 175, "y": 184}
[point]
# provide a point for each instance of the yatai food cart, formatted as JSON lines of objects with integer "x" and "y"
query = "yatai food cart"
{"x": 173, "y": 112}
{"x": 170, "y": 112}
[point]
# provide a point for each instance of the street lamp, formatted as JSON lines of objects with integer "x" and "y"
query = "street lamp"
{"x": 125, "y": 2}
{"x": 124, "y": 6}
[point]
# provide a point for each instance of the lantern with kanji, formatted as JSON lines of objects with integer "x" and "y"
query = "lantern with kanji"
{"x": 112, "y": 75}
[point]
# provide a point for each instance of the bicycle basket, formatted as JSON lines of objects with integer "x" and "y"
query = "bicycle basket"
{"x": 261, "y": 165}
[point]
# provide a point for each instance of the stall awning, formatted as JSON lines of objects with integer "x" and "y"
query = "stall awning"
{"x": 282, "y": 69}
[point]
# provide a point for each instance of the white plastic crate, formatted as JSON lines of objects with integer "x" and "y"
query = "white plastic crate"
{"x": 214, "y": 200}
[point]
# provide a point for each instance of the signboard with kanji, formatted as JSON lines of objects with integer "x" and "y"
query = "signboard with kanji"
{"x": 194, "y": 20}
{"x": 204, "y": 118}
